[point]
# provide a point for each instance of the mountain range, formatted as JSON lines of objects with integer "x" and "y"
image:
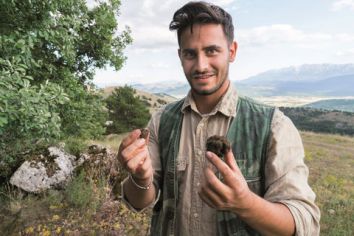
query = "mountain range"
{"x": 304, "y": 80}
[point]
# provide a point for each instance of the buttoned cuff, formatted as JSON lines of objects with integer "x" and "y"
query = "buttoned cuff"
{"x": 130, "y": 207}
{"x": 305, "y": 223}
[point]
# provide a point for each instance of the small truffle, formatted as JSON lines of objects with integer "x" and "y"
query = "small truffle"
{"x": 144, "y": 133}
{"x": 218, "y": 145}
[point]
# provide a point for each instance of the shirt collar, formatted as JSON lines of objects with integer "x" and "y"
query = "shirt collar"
{"x": 226, "y": 106}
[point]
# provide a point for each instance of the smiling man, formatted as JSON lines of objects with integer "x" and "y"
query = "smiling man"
{"x": 263, "y": 189}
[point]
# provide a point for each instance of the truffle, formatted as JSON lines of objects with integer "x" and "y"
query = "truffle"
{"x": 144, "y": 133}
{"x": 218, "y": 145}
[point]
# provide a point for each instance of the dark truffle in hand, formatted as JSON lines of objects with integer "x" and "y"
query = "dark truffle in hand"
{"x": 218, "y": 145}
{"x": 144, "y": 133}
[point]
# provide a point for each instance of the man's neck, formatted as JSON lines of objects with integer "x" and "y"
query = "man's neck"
{"x": 206, "y": 103}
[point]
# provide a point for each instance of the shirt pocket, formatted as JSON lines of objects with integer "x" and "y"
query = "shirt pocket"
{"x": 182, "y": 163}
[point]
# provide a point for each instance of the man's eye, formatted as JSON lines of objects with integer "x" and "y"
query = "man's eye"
{"x": 189, "y": 55}
{"x": 211, "y": 51}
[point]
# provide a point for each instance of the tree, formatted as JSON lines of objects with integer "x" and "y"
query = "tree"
{"x": 126, "y": 111}
{"x": 49, "y": 51}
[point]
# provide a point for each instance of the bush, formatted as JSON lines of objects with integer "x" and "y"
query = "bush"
{"x": 49, "y": 51}
{"x": 126, "y": 111}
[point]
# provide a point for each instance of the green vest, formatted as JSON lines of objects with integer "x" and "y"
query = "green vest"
{"x": 249, "y": 136}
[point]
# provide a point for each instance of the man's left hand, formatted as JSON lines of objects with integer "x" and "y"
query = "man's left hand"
{"x": 233, "y": 193}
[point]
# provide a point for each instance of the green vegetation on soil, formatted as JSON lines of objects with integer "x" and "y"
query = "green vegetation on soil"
{"x": 321, "y": 121}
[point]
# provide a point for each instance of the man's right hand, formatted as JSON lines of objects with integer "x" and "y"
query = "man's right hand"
{"x": 134, "y": 156}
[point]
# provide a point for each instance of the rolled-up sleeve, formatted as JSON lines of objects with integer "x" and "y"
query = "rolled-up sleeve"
{"x": 287, "y": 175}
{"x": 153, "y": 147}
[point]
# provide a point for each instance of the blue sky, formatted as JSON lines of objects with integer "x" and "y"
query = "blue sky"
{"x": 271, "y": 34}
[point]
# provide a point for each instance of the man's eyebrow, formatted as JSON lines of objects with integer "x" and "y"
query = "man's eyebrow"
{"x": 212, "y": 47}
{"x": 188, "y": 50}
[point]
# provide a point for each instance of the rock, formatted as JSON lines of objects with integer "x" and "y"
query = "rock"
{"x": 45, "y": 172}
{"x": 331, "y": 211}
{"x": 96, "y": 149}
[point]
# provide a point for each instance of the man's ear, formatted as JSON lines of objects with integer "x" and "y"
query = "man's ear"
{"x": 232, "y": 51}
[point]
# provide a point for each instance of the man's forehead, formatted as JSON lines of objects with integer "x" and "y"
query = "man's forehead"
{"x": 206, "y": 34}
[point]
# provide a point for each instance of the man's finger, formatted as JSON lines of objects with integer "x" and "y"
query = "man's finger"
{"x": 231, "y": 161}
{"x": 222, "y": 167}
{"x": 129, "y": 139}
{"x": 130, "y": 151}
{"x": 134, "y": 163}
{"x": 214, "y": 184}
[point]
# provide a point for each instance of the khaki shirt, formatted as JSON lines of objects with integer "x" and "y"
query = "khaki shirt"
{"x": 285, "y": 171}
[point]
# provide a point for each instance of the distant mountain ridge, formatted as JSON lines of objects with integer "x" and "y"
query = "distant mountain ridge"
{"x": 304, "y": 73}
{"x": 304, "y": 80}
{"x": 334, "y": 104}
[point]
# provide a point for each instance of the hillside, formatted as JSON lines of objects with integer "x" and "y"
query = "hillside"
{"x": 316, "y": 120}
{"x": 152, "y": 100}
{"x": 333, "y": 104}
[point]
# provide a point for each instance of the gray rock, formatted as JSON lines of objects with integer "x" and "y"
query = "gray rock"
{"x": 45, "y": 172}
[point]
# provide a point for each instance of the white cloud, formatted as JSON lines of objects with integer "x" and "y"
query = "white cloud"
{"x": 345, "y": 53}
{"x": 343, "y": 4}
{"x": 149, "y": 21}
{"x": 153, "y": 37}
{"x": 287, "y": 34}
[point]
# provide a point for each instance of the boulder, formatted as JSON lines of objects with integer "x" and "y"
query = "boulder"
{"x": 44, "y": 172}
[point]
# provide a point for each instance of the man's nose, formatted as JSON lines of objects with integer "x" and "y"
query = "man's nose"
{"x": 202, "y": 63}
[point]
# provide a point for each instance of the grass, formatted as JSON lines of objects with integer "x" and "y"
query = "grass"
{"x": 331, "y": 160}
{"x": 86, "y": 207}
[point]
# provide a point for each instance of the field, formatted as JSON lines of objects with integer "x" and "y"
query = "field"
{"x": 294, "y": 101}
{"x": 330, "y": 159}
{"x": 331, "y": 162}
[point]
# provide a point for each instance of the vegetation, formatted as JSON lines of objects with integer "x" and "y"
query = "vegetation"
{"x": 49, "y": 51}
{"x": 126, "y": 111}
{"x": 323, "y": 121}
{"x": 329, "y": 157}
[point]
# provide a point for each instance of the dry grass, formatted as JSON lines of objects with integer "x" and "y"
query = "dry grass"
{"x": 111, "y": 141}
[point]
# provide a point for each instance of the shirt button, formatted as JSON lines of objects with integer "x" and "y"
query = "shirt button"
{"x": 196, "y": 215}
{"x": 198, "y": 184}
{"x": 199, "y": 152}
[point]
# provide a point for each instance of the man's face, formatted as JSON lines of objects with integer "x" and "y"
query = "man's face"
{"x": 205, "y": 55}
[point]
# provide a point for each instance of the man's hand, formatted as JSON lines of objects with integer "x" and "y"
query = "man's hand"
{"x": 233, "y": 193}
{"x": 134, "y": 156}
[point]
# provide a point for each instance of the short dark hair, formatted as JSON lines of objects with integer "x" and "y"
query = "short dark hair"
{"x": 202, "y": 13}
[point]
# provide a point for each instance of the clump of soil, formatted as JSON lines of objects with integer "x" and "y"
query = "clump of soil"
{"x": 218, "y": 145}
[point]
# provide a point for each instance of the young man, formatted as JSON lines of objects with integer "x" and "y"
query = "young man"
{"x": 264, "y": 187}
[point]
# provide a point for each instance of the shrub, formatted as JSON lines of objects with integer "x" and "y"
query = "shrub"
{"x": 126, "y": 111}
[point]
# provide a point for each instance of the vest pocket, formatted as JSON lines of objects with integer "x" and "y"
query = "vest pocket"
{"x": 254, "y": 184}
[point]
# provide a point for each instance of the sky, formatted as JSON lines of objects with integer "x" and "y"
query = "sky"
{"x": 270, "y": 34}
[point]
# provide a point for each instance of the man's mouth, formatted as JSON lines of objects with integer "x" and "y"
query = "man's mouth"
{"x": 202, "y": 76}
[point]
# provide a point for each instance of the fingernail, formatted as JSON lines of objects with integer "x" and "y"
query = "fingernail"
{"x": 209, "y": 155}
